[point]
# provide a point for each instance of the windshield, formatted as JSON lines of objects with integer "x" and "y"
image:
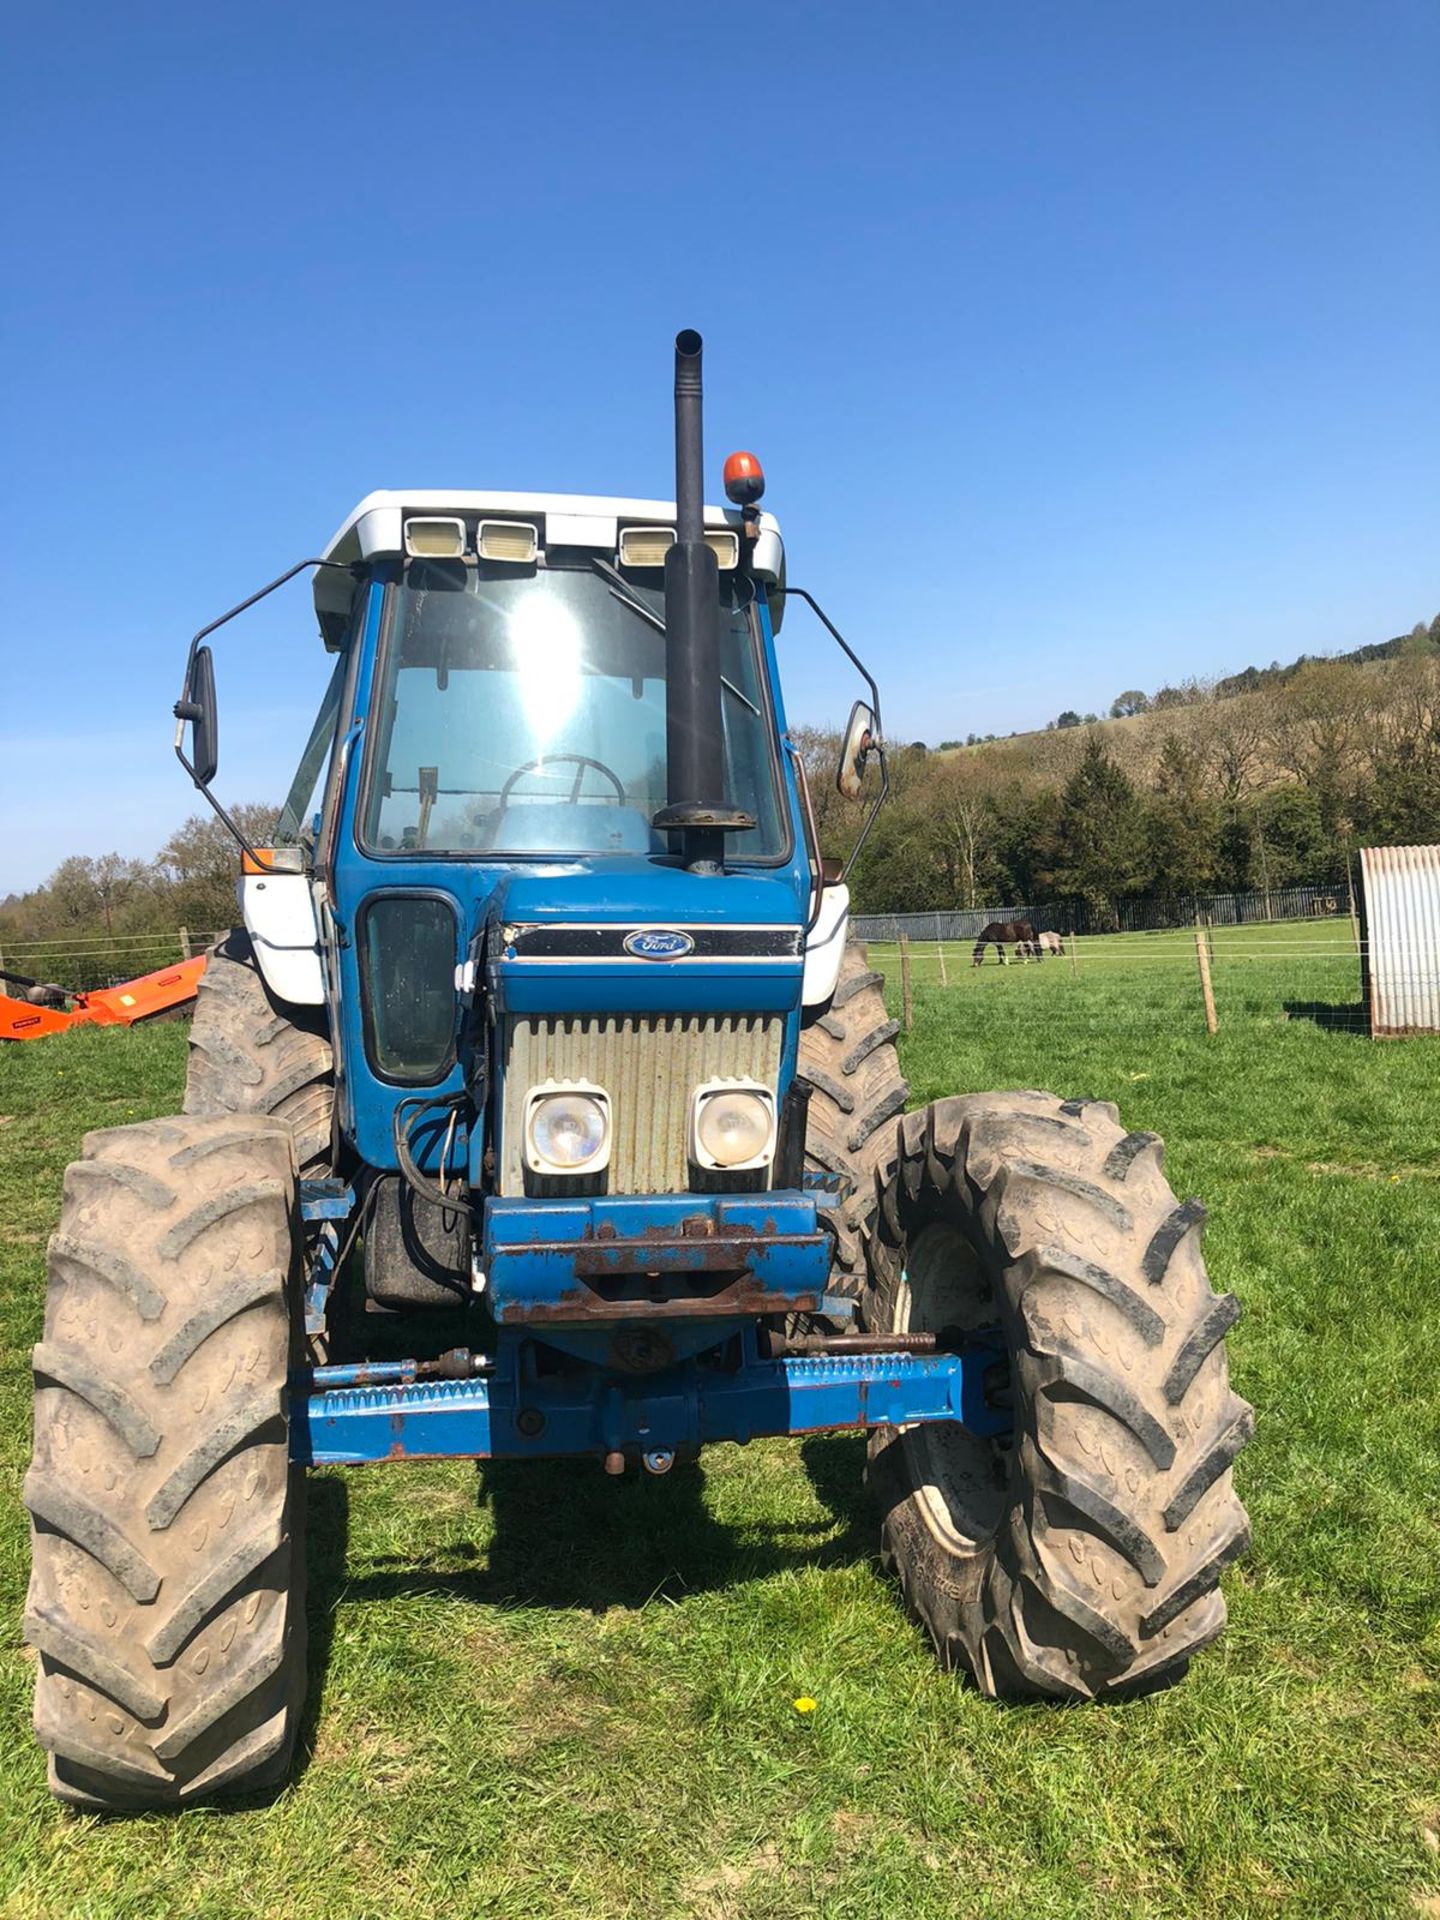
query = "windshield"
{"x": 523, "y": 711}
{"x": 297, "y": 826}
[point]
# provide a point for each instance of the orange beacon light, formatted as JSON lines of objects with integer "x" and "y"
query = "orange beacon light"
{"x": 744, "y": 479}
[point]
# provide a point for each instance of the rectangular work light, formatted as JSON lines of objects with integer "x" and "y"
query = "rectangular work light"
{"x": 435, "y": 539}
{"x": 648, "y": 546}
{"x": 516, "y": 541}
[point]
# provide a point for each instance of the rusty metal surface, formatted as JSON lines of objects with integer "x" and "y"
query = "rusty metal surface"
{"x": 691, "y": 1259}
{"x": 841, "y": 1343}
{"x": 1401, "y": 955}
{"x": 662, "y": 1252}
{"x": 649, "y": 1066}
{"x": 658, "y": 1300}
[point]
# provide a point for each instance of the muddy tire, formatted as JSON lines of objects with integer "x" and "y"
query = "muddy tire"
{"x": 1082, "y": 1556}
{"x": 250, "y": 1053}
{"x": 166, "y": 1599}
{"x": 848, "y": 1056}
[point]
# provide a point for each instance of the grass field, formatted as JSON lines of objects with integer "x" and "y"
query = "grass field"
{"x": 543, "y": 1693}
{"x": 1305, "y": 969}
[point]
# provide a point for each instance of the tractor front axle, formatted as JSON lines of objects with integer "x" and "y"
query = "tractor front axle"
{"x": 512, "y": 1412}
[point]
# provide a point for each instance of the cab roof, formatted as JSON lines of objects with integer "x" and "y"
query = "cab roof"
{"x": 375, "y": 530}
{"x": 374, "y": 527}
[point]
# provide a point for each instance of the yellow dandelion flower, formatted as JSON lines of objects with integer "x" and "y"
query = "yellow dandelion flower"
{"x": 804, "y": 1704}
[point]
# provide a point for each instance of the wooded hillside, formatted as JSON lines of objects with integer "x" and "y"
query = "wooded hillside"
{"x": 1206, "y": 792}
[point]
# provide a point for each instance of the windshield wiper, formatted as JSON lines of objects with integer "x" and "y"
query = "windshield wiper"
{"x": 620, "y": 587}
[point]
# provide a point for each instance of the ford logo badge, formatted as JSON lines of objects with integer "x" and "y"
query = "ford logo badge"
{"x": 658, "y": 943}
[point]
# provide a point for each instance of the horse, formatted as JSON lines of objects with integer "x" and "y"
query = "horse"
{"x": 1001, "y": 934}
{"x": 1052, "y": 943}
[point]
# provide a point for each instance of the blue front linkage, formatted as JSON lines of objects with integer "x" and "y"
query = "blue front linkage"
{"x": 628, "y": 1327}
{"x": 512, "y": 1412}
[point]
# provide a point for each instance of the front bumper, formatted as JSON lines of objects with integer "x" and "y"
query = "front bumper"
{"x": 670, "y": 1257}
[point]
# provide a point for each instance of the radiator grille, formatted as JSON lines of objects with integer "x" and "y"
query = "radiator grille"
{"x": 649, "y": 1067}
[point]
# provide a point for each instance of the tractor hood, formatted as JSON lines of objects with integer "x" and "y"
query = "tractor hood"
{"x": 643, "y": 938}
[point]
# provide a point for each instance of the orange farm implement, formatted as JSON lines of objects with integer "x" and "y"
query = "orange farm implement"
{"x": 40, "y": 1009}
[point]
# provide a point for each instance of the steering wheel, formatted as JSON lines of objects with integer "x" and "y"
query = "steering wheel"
{"x": 580, "y": 761}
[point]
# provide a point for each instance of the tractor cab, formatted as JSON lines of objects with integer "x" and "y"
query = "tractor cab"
{"x": 597, "y": 1006}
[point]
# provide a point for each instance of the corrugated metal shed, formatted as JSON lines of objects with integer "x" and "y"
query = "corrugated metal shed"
{"x": 1401, "y": 945}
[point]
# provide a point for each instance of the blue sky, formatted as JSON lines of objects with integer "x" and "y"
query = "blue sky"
{"x": 1085, "y": 346}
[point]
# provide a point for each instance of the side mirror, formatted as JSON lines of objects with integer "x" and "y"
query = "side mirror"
{"x": 860, "y": 739}
{"x": 197, "y": 705}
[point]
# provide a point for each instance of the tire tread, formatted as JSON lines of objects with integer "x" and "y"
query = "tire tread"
{"x": 166, "y": 1555}
{"x": 848, "y": 1056}
{"x": 1120, "y": 1512}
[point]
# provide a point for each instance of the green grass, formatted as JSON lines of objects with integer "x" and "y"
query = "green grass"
{"x": 540, "y": 1692}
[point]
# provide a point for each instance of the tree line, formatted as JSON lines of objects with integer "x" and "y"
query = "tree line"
{"x": 105, "y": 917}
{"x": 1270, "y": 788}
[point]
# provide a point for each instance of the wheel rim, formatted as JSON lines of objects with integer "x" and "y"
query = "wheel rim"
{"x": 961, "y": 1479}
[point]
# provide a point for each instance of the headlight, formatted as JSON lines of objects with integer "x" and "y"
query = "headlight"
{"x": 732, "y": 1126}
{"x": 567, "y": 1128}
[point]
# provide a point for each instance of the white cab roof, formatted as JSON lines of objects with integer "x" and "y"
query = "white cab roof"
{"x": 376, "y": 527}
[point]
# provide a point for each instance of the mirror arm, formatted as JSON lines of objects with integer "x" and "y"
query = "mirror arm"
{"x": 865, "y": 674}
{"x": 880, "y": 799}
{"x": 844, "y": 645}
{"x": 186, "y": 710}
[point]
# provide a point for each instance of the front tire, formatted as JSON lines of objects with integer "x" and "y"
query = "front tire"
{"x": 250, "y": 1053}
{"x": 1083, "y": 1557}
{"x": 166, "y": 1590}
{"x": 848, "y": 1056}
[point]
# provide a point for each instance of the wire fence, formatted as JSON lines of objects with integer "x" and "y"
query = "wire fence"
{"x": 1163, "y": 985}
{"x": 1333, "y": 901}
{"x": 84, "y": 962}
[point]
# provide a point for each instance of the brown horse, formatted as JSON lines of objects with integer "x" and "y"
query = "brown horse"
{"x": 1001, "y": 934}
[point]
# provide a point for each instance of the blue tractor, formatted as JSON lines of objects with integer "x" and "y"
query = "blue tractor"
{"x": 542, "y": 1014}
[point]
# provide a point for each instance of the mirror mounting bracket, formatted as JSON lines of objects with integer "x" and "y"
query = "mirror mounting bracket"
{"x": 187, "y": 710}
{"x": 878, "y": 746}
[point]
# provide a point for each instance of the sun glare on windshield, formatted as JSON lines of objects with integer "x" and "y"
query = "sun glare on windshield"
{"x": 547, "y": 646}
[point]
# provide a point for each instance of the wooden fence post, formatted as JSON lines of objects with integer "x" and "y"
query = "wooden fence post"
{"x": 907, "y": 1007}
{"x": 1202, "y": 957}
{"x": 940, "y": 952}
{"x": 185, "y": 953}
{"x": 1074, "y": 944}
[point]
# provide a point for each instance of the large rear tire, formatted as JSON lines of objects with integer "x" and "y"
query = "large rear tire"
{"x": 848, "y": 1056}
{"x": 1081, "y": 1557}
{"x": 250, "y": 1053}
{"x": 166, "y": 1591}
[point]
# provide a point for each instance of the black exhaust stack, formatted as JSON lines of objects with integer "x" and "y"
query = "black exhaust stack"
{"x": 694, "y": 740}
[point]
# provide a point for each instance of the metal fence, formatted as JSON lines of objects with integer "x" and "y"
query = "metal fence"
{"x": 1125, "y": 916}
{"x": 81, "y": 963}
{"x": 1142, "y": 990}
